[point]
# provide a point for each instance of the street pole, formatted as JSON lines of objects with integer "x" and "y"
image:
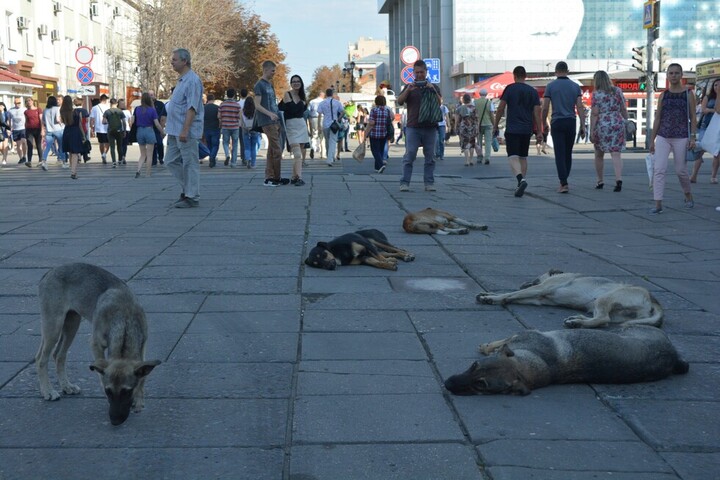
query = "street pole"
{"x": 650, "y": 87}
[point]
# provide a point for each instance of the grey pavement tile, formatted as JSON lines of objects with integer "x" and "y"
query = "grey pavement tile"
{"x": 690, "y": 425}
{"x": 578, "y": 456}
{"x": 373, "y": 418}
{"x": 399, "y": 301}
{"x": 156, "y": 463}
{"x": 565, "y": 412}
{"x": 362, "y": 346}
{"x": 484, "y": 322}
{"x": 438, "y": 283}
{"x": 530, "y": 473}
{"x": 345, "y": 284}
{"x": 166, "y": 423}
{"x": 161, "y": 323}
{"x": 250, "y": 303}
{"x": 18, "y": 347}
{"x": 356, "y": 321}
{"x": 189, "y": 245}
{"x": 693, "y": 465}
{"x": 691, "y": 322}
{"x": 168, "y": 303}
{"x": 238, "y": 347}
{"x": 365, "y": 377}
{"x": 215, "y": 286}
{"x": 384, "y": 461}
{"x": 216, "y": 272}
{"x": 9, "y": 370}
{"x": 18, "y": 323}
{"x": 698, "y": 348}
{"x": 224, "y": 258}
{"x": 227, "y": 323}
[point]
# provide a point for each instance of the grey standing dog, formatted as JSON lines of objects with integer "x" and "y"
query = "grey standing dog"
{"x": 78, "y": 290}
{"x": 533, "y": 359}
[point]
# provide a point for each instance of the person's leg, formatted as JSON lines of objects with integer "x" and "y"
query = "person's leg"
{"x": 174, "y": 161}
{"x": 225, "y": 132}
{"x": 49, "y": 141}
{"x": 412, "y": 144}
{"x": 241, "y": 143}
{"x": 74, "y": 160}
{"x": 31, "y": 146}
{"x": 331, "y": 143}
{"x": 440, "y": 149}
{"x": 696, "y": 168}
{"x": 297, "y": 161}
{"x": 429, "y": 139}
{"x": 148, "y": 163}
{"x": 112, "y": 143}
{"x": 662, "y": 155}
{"x": 274, "y": 151}
{"x": 234, "y": 133}
{"x": 599, "y": 166}
{"x": 714, "y": 171}
{"x": 486, "y": 133}
{"x": 377, "y": 147}
{"x": 679, "y": 147}
{"x": 570, "y": 134}
{"x": 143, "y": 158}
{"x": 617, "y": 165}
{"x": 190, "y": 163}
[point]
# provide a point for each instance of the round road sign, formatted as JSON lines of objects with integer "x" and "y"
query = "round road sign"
{"x": 409, "y": 55}
{"x": 406, "y": 75}
{"x": 84, "y": 55}
{"x": 85, "y": 75}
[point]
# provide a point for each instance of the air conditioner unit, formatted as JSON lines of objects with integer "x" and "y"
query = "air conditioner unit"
{"x": 94, "y": 10}
{"x": 42, "y": 30}
{"x": 22, "y": 23}
{"x": 55, "y": 35}
{"x": 116, "y": 12}
{"x": 57, "y": 7}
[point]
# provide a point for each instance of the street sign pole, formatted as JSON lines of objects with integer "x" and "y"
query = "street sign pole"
{"x": 650, "y": 89}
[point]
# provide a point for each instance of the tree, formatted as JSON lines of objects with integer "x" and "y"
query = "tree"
{"x": 325, "y": 77}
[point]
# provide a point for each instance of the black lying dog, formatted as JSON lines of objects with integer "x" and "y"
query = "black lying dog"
{"x": 368, "y": 247}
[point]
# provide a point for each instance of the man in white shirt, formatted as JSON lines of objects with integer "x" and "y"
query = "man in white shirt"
{"x": 17, "y": 126}
{"x": 330, "y": 109}
{"x": 96, "y": 124}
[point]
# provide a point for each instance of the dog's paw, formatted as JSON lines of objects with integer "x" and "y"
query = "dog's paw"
{"x": 409, "y": 257}
{"x": 71, "y": 389}
{"x": 463, "y": 231}
{"x": 573, "y": 322}
{"x": 485, "y": 349}
{"x": 484, "y": 298}
{"x": 51, "y": 395}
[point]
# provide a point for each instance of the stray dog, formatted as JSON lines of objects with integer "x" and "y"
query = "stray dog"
{"x": 368, "y": 247}
{"x": 77, "y": 290}
{"x": 436, "y": 221}
{"x": 535, "y": 359}
{"x": 609, "y": 301}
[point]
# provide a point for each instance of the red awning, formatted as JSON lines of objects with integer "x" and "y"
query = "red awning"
{"x": 494, "y": 86}
{"x": 6, "y": 76}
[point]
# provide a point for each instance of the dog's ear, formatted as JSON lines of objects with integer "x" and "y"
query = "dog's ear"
{"x": 506, "y": 351}
{"x": 144, "y": 368}
{"x": 99, "y": 366}
{"x": 322, "y": 245}
{"x": 518, "y": 387}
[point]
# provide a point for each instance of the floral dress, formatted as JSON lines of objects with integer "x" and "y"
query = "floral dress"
{"x": 468, "y": 127}
{"x": 609, "y": 129}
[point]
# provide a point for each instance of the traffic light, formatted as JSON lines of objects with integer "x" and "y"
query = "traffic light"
{"x": 643, "y": 83}
{"x": 640, "y": 58}
{"x": 663, "y": 58}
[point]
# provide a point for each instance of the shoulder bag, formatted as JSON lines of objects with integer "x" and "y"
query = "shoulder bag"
{"x": 335, "y": 125}
{"x": 389, "y": 127}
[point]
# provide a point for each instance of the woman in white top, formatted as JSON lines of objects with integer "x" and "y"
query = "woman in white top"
{"x": 53, "y": 131}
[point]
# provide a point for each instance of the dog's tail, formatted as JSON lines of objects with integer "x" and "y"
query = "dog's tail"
{"x": 657, "y": 314}
{"x": 681, "y": 367}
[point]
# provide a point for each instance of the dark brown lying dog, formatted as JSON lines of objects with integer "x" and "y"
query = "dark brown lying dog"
{"x": 368, "y": 247}
{"x": 436, "y": 221}
{"x": 533, "y": 359}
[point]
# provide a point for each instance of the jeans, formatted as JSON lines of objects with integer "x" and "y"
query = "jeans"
{"x": 227, "y": 134}
{"x": 184, "y": 164}
{"x": 251, "y": 140}
{"x": 485, "y": 135}
{"x": 563, "y": 135}
{"x": 440, "y": 150}
{"x": 50, "y": 138}
{"x": 330, "y": 144}
{"x": 377, "y": 147}
{"x": 212, "y": 139}
{"x": 414, "y": 137}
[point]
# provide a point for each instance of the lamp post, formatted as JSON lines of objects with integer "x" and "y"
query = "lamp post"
{"x": 350, "y": 68}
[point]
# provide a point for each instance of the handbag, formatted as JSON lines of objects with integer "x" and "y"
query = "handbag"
{"x": 335, "y": 125}
{"x": 495, "y": 144}
{"x": 255, "y": 127}
{"x": 689, "y": 152}
{"x": 359, "y": 152}
{"x": 429, "y": 107}
{"x": 650, "y": 167}
{"x": 132, "y": 136}
{"x": 710, "y": 141}
{"x": 389, "y": 129}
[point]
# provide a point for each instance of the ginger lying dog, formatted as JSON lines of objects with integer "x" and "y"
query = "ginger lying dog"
{"x": 436, "y": 221}
{"x": 533, "y": 359}
{"x": 74, "y": 291}
{"x": 610, "y": 302}
{"x": 364, "y": 247}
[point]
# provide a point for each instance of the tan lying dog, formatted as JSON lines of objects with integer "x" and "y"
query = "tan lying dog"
{"x": 609, "y": 301}
{"x": 77, "y": 290}
{"x": 436, "y": 221}
{"x": 535, "y": 359}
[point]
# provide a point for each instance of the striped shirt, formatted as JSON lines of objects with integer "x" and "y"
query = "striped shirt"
{"x": 229, "y": 113}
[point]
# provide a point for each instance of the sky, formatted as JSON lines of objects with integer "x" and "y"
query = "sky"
{"x": 317, "y": 32}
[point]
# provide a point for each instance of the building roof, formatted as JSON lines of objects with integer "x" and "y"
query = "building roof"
{"x": 6, "y": 76}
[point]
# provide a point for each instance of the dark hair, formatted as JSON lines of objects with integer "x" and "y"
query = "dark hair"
{"x": 103, "y": 97}
{"x": 67, "y": 109}
{"x": 52, "y": 102}
{"x": 329, "y": 92}
{"x": 243, "y": 92}
{"x": 712, "y": 93}
{"x": 230, "y": 93}
{"x": 420, "y": 63}
{"x": 249, "y": 107}
{"x": 561, "y": 67}
{"x": 210, "y": 97}
{"x": 519, "y": 72}
{"x": 301, "y": 91}
{"x": 675, "y": 65}
{"x": 146, "y": 101}
{"x": 380, "y": 101}
{"x": 4, "y": 106}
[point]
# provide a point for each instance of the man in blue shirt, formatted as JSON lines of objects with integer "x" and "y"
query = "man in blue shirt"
{"x": 185, "y": 114}
{"x": 565, "y": 96}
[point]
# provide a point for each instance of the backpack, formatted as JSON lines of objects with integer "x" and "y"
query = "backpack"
{"x": 115, "y": 118}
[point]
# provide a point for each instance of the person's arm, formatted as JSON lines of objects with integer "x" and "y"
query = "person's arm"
{"x": 693, "y": 120}
{"x": 498, "y": 115}
{"x": 263, "y": 110}
{"x": 160, "y": 127}
{"x": 539, "y": 134}
{"x": 104, "y": 118}
{"x": 545, "y": 110}
{"x": 404, "y": 94}
{"x": 582, "y": 114}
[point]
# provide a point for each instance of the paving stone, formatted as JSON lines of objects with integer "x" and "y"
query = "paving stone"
{"x": 356, "y": 321}
{"x": 239, "y": 347}
{"x": 239, "y": 322}
{"x": 362, "y": 346}
{"x": 691, "y": 465}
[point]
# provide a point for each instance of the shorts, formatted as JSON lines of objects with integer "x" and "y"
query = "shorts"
{"x": 18, "y": 135}
{"x": 102, "y": 137}
{"x": 517, "y": 144}
{"x": 146, "y": 136}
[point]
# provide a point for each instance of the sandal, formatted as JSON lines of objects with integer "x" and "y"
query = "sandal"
{"x": 713, "y": 180}
{"x": 618, "y": 186}
{"x": 599, "y": 185}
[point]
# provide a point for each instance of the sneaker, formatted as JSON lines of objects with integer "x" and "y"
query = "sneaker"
{"x": 104, "y": 159}
{"x": 43, "y": 166}
{"x": 22, "y": 160}
{"x": 187, "y": 203}
{"x": 655, "y": 211}
{"x": 563, "y": 189}
{"x": 381, "y": 169}
{"x": 689, "y": 204}
{"x": 430, "y": 188}
{"x": 114, "y": 165}
{"x": 520, "y": 190}
{"x": 486, "y": 162}
{"x": 404, "y": 187}
{"x": 65, "y": 165}
{"x": 28, "y": 164}
{"x": 244, "y": 162}
{"x": 299, "y": 182}
{"x": 4, "y": 163}
{"x": 284, "y": 181}
{"x": 270, "y": 183}
{"x": 227, "y": 161}
{"x": 137, "y": 174}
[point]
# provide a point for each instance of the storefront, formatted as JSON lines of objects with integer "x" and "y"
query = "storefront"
{"x": 14, "y": 85}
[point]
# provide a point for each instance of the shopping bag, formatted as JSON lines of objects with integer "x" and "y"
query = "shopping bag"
{"x": 711, "y": 139}
{"x": 495, "y": 144}
{"x": 650, "y": 165}
{"x": 359, "y": 153}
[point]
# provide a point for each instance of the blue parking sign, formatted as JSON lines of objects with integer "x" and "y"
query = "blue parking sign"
{"x": 433, "y": 69}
